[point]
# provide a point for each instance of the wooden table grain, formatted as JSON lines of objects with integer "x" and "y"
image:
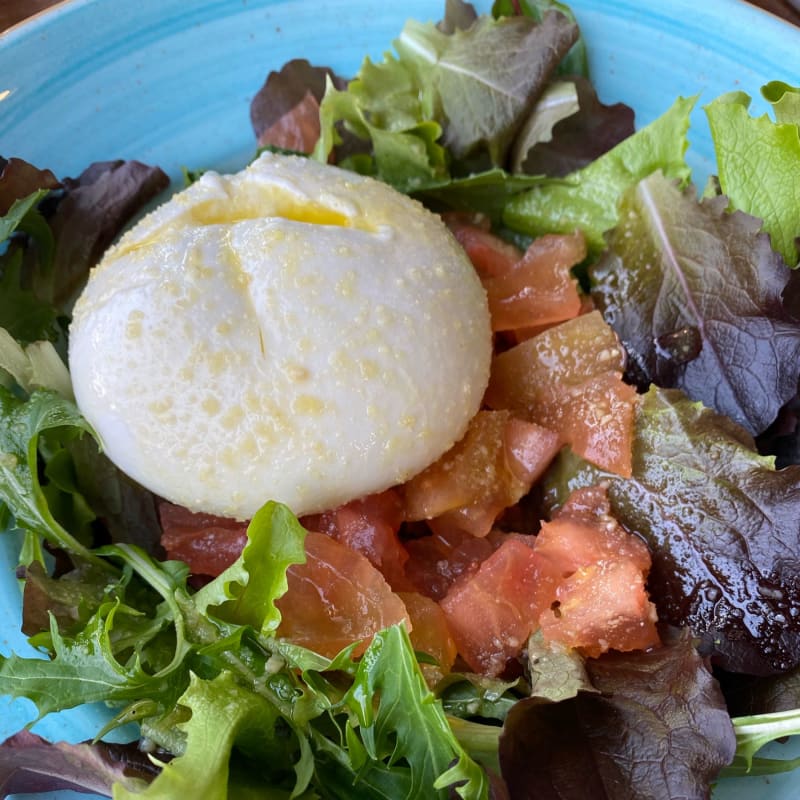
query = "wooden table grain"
{"x": 14, "y": 11}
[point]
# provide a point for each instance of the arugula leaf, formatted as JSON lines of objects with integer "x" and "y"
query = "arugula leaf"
{"x": 696, "y": 296}
{"x": 405, "y": 723}
{"x": 21, "y": 217}
{"x": 722, "y": 527}
{"x": 20, "y": 489}
{"x": 588, "y": 199}
{"x": 758, "y": 163}
{"x": 84, "y": 669}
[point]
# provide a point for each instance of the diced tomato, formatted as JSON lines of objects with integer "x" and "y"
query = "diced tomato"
{"x": 599, "y": 569}
{"x": 490, "y": 255}
{"x": 539, "y": 289}
{"x": 369, "y": 526}
{"x": 440, "y": 559}
{"x": 569, "y": 379}
{"x": 208, "y": 544}
{"x": 429, "y": 631}
{"x": 336, "y": 598}
{"x": 492, "y": 613}
{"x": 602, "y": 607}
{"x": 491, "y": 468}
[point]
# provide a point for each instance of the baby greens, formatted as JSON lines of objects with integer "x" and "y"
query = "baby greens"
{"x": 228, "y": 709}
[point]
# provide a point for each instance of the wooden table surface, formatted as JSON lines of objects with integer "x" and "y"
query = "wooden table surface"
{"x": 13, "y": 11}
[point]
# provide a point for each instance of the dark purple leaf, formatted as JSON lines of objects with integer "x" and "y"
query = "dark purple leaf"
{"x": 747, "y": 695}
{"x": 657, "y": 729}
{"x": 286, "y": 89}
{"x": 71, "y": 599}
{"x": 458, "y": 16}
{"x": 96, "y": 207}
{"x": 582, "y": 137}
{"x": 722, "y": 526}
{"x": 695, "y": 294}
{"x": 18, "y": 179}
{"x": 30, "y": 764}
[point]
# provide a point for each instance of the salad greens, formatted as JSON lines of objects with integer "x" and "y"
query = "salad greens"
{"x": 490, "y": 114}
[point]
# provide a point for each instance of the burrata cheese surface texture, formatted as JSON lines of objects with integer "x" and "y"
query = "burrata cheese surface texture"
{"x": 293, "y": 332}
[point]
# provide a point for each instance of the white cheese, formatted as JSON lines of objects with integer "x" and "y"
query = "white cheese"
{"x": 292, "y": 332}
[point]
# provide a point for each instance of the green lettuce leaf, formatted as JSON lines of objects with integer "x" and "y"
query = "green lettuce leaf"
{"x": 588, "y": 199}
{"x": 223, "y": 714}
{"x": 245, "y": 593}
{"x": 758, "y": 163}
{"x": 486, "y": 79}
{"x": 785, "y": 100}
{"x": 20, "y": 489}
{"x": 467, "y": 90}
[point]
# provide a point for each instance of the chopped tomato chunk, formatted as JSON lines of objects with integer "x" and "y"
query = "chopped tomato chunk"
{"x": 490, "y": 255}
{"x": 492, "y": 613}
{"x": 600, "y": 602}
{"x": 208, "y": 544}
{"x": 539, "y": 289}
{"x": 369, "y": 526}
{"x": 491, "y": 468}
{"x": 601, "y": 607}
{"x": 429, "y": 631}
{"x": 569, "y": 379}
{"x": 336, "y": 598}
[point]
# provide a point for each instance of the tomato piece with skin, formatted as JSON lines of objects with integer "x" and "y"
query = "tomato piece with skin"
{"x": 491, "y": 468}
{"x": 569, "y": 379}
{"x": 208, "y": 544}
{"x": 539, "y": 289}
{"x": 489, "y": 254}
{"x": 492, "y": 613}
{"x": 599, "y": 570}
{"x": 429, "y": 632}
{"x": 370, "y": 526}
{"x": 336, "y": 598}
{"x": 602, "y": 607}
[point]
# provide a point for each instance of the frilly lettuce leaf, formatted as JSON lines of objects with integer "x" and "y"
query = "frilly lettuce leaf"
{"x": 468, "y": 90}
{"x": 588, "y": 199}
{"x": 485, "y": 79}
{"x": 696, "y": 296}
{"x": 785, "y": 100}
{"x": 758, "y": 164}
{"x": 245, "y": 592}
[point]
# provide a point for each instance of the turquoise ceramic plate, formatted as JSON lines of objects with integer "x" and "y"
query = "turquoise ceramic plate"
{"x": 169, "y": 82}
